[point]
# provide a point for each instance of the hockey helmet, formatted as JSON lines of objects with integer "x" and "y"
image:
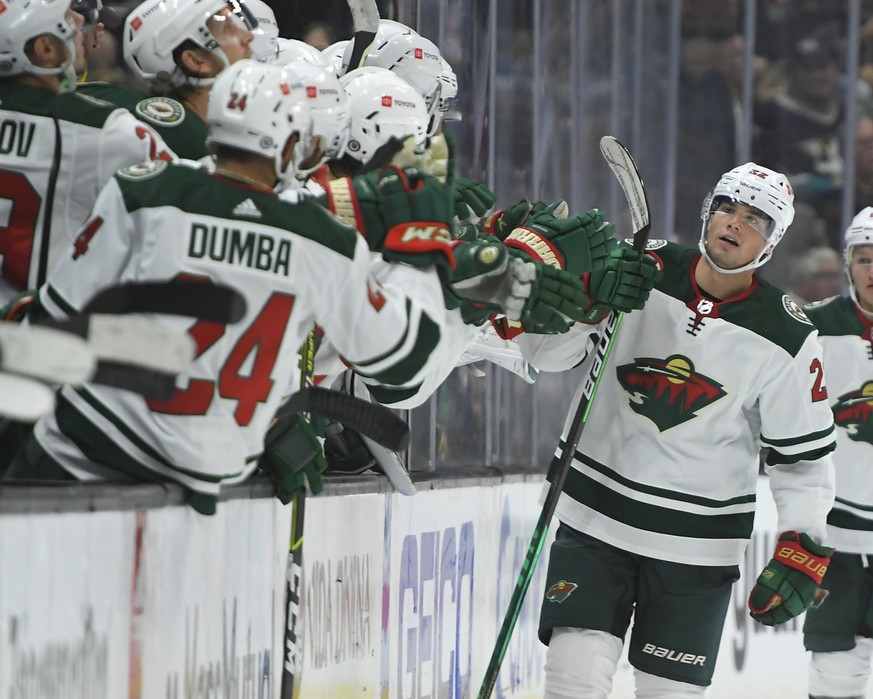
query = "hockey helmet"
{"x": 381, "y": 105}
{"x": 156, "y": 28}
{"x": 256, "y": 107}
{"x": 23, "y": 20}
{"x": 761, "y": 188}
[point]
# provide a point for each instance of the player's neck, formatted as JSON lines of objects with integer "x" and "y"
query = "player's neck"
{"x": 52, "y": 83}
{"x": 257, "y": 173}
{"x": 720, "y": 285}
{"x": 197, "y": 100}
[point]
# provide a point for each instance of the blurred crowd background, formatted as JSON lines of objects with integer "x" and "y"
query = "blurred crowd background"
{"x": 692, "y": 87}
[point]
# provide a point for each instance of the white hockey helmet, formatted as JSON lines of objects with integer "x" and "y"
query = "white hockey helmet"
{"x": 256, "y": 107}
{"x": 762, "y": 188}
{"x": 23, "y": 20}
{"x": 264, "y": 45}
{"x": 386, "y": 30}
{"x": 381, "y": 105}
{"x": 859, "y": 232}
{"x": 295, "y": 50}
{"x": 418, "y": 61}
{"x": 448, "y": 92}
{"x": 328, "y": 106}
{"x": 156, "y": 28}
{"x": 333, "y": 56}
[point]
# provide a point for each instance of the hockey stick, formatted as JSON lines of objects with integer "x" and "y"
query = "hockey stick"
{"x": 368, "y": 419}
{"x": 182, "y": 297}
{"x": 623, "y": 167}
{"x": 365, "y": 18}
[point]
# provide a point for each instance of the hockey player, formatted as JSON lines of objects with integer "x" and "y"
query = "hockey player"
{"x": 177, "y": 47}
{"x": 295, "y": 264}
{"x": 659, "y": 501}
{"x": 64, "y": 146}
{"x": 839, "y": 631}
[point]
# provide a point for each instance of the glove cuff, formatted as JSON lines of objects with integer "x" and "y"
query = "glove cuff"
{"x": 791, "y": 552}
{"x": 489, "y": 222}
{"x": 421, "y": 237}
{"x": 535, "y": 246}
{"x": 343, "y": 202}
{"x": 507, "y": 329}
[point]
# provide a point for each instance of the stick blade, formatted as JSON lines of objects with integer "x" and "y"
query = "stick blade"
{"x": 369, "y": 419}
{"x": 625, "y": 170}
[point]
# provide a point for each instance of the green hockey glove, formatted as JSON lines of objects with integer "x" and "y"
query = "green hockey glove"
{"x": 577, "y": 244}
{"x": 789, "y": 585}
{"x": 471, "y": 198}
{"x": 625, "y": 280}
{"x": 556, "y": 303}
{"x": 501, "y": 223}
{"x": 404, "y": 214}
{"x": 292, "y": 457}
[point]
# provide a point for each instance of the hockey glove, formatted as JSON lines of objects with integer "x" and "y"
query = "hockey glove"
{"x": 404, "y": 214}
{"x": 502, "y": 223}
{"x": 625, "y": 280}
{"x": 293, "y": 457}
{"x": 789, "y": 585}
{"x": 577, "y": 244}
{"x": 471, "y": 198}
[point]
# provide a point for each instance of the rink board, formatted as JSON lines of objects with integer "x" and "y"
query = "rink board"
{"x": 403, "y": 598}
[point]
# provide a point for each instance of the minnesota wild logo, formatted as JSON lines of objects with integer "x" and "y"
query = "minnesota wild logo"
{"x": 560, "y": 591}
{"x": 854, "y": 412}
{"x": 667, "y": 391}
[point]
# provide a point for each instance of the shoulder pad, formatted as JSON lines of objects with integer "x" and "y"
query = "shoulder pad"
{"x": 143, "y": 171}
{"x": 162, "y": 111}
{"x": 794, "y": 310}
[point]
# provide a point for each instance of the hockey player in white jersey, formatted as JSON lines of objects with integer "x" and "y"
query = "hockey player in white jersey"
{"x": 65, "y": 146}
{"x": 839, "y": 631}
{"x": 295, "y": 264}
{"x": 659, "y": 501}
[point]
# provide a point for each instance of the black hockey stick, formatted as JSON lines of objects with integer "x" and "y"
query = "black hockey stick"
{"x": 182, "y": 297}
{"x": 623, "y": 167}
{"x": 368, "y": 419}
{"x": 365, "y": 18}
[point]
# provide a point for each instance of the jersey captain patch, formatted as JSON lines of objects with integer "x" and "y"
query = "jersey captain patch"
{"x": 667, "y": 391}
{"x": 794, "y": 310}
{"x": 162, "y": 111}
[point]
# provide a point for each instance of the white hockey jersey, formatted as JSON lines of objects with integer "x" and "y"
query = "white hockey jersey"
{"x": 667, "y": 464}
{"x": 56, "y": 152}
{"x": 848, "y": 358}
{"x": 295, "y": 264}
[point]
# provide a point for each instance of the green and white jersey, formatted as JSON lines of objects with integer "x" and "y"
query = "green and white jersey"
{"x": 848, "y": 358}
{"x": 692, "y": 390}
{"x": 56, "y": 152}
{"x": 295, "y": 265}
{"x": 183, "y": 130}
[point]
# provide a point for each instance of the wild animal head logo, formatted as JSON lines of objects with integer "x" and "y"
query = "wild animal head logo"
{"x": 853, "y": 411}
{"x": 667, "y": 391}
{"x": 560, "y": 591}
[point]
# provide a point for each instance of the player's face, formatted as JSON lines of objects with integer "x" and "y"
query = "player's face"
{"x": 232, "y": 36}
{"x": 736, "y": 234}
{"x": 861, "y": 269}
{"x": 75, "y": 20}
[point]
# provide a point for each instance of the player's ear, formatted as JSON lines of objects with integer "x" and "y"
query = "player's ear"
{"x": 194, "y": 61}
{"x": 46, "y": 51}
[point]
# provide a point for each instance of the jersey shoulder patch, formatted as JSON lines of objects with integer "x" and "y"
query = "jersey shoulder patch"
{"x": 794, "y": 310}
{"x": 161, "y": 111}
{"x": 143, "y": 171}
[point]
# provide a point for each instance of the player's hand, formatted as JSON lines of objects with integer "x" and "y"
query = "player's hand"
{"x": 625, "y": 279}
{"x": 577, "y": 244}
{"x": 789, "y": 585}
{"x": 501, "y": 223}
{"x": 471, "y": 198}
{"x": 293, "y": 457}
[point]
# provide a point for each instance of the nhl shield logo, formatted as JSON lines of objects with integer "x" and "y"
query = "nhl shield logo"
{"x": 560, "y": 591}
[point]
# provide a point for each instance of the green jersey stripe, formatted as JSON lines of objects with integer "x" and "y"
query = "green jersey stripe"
{"x": 854, "y": 505}
{"x": 386, "y": 395}
{"x": 653, "y": 518}
{"x": 652, "y": 490}
{"x": 397, "y": 346}
{"x": 811, "y": 437}
{"x": 846, "y": 520}
{"x": 405, "y": 370}
{"x": 59, "y": 300}
{"x": 776, "y": 457}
